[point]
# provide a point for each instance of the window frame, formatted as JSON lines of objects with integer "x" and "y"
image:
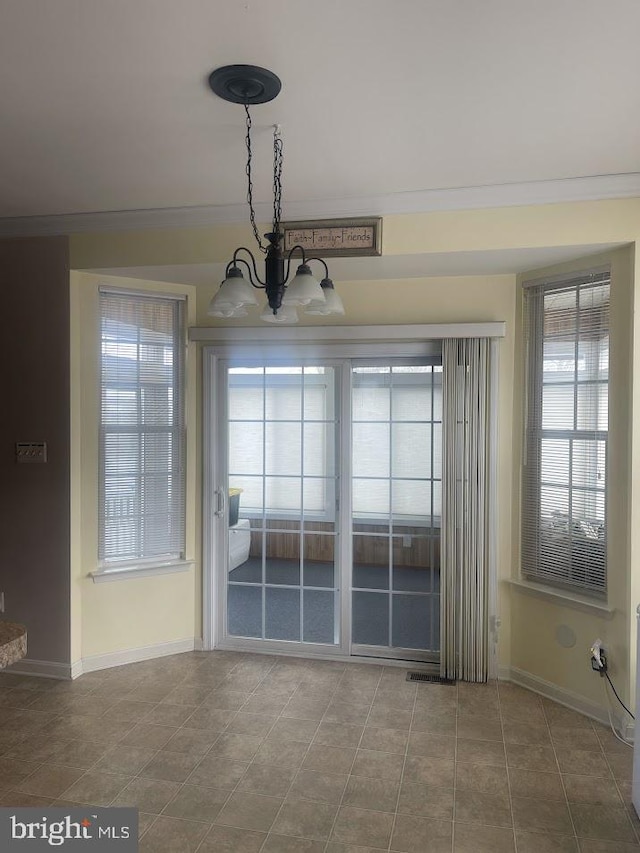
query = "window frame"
{"x": 532, "y": 482}
{"x": 115, "y": 568}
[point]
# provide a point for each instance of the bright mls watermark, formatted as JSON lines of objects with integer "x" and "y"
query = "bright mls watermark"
{"x": 87, "y": 829}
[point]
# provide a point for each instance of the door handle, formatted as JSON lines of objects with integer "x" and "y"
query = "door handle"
{"x": 221, "y": 503}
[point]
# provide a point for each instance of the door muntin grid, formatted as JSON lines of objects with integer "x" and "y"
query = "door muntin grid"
{"x": 282, "y": 440}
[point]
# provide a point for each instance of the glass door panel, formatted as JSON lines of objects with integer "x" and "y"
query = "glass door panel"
{"x": 396, "y": 492}
{"x": 282, "y": 429}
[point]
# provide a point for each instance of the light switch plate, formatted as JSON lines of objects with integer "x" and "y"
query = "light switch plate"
{"x": 31, "y": 451}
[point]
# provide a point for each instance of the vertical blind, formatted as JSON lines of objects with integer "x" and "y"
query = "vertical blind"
{"x": 142, "y": 429}
{"x": 564, "y": 520}
{"x": 465, "y": 509}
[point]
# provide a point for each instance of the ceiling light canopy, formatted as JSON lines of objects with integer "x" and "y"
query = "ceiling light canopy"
{"x": 248, "y": 85}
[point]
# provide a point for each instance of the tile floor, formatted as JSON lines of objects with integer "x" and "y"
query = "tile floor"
{"x": 237, "y": 753}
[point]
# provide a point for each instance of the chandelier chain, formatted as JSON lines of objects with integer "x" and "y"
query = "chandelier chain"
{"x": 278, "y": 150}
{"x": 252, "y": 213}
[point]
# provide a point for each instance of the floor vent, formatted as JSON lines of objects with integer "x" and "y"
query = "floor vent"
{"x": 430, "y": 679}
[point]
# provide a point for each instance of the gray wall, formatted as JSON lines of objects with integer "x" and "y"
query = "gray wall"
{"x": 34, "y": 498}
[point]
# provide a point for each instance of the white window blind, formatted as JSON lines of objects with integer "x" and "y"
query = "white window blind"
{"x": 564, "y": 521}
{"x": 142, "y": 429}
{"x": 282, "y": 439}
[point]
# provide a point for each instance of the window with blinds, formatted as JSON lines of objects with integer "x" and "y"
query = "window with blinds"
{"x": 142, "y": 430}
{"x": 564, "y": 519}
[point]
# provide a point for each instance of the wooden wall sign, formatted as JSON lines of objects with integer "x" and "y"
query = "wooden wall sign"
{"x": 332, "y": 238}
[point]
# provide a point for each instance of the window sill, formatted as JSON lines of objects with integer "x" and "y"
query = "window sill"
{"x": 567, "y": 599}
{"x": 140, "y": 571}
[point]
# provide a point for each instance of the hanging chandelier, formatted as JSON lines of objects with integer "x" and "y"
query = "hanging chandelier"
{"x": 248, "y": 85}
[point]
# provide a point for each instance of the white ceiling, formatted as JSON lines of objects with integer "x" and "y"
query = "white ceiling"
{"x": 104, "y": 104}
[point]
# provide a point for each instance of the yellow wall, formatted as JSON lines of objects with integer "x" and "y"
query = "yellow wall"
{"x": 529, "y": 624}
{"x": 130, "y": 613}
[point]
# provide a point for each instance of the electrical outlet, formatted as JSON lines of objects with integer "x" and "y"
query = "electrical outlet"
{"x": 31, "y": 451}
{"x": 1, "y": 602}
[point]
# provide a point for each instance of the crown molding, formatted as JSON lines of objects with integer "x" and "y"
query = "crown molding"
{"x": 593, "y": 188}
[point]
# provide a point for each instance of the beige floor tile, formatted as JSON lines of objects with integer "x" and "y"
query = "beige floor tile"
{"x": 361, "y": 827}
{"x": 536, "y": 842}
{"x": 379, "y": 765}
{"x": 384, "y": 740}
{"x": 216, "y": 772}
{"x": 170, "y": 715}
{"x": 590, "y": 845}
{"x": 13, "y": 771}
{"x": 170, "y": 766}
{"x": 347, "y": 713}
{"x": 538, "y": 758}
{"x": 235, "y": 747}
{"x": 473, "y": 751}
{"x": 534, "y": 785}
{"x": 279, "y": 753}
{"x": 526, "y": 734}
{"x": 419, "y": 835}
{"x": 479, "y": 729}
{"x": 588, "y": 789}
{"x": 147, "y": 795}
{"x": 170, "y": 835}
{"x": 250, "y": 811}
{"x": 608, "y": 824}
{"x": 572, "y": 738}
{"x": 97, "y": 788}
{"x": 282, "y": 844}
{"x": 48, "y": 780}
{"x": 209, "y": 719}
{"x": 338, "y": 734}
{"x": 541, "y": 815}
{"x": 444, "y": 723}
{"x": 305, "y": 819}
{"x": 471, "y": 838}
{"x": 482, "y": 808}
{"x": 306, "y": 709}
{"x": 80, "y": 754}
{"x": 581, "y": 762}
{"x": 485, "y": 778}
{"x": 287, "y": 728}
{"x": 267, "y": 780}
{"x": 426, "y": 801}
{"x": 381, "y": 795}
{"x": 195, "y": 742}
{"x": 228, "y": 839}
{"x": 389, "y": 718}
{"x": 195, "y": 803}
{"x": 129, "y": 760}
{"x": 423, "y": 770}
{"x": 329, "y": 759}
{"x": 149, "y": 736}
{"x": 322, "y": 787}
{"x": 427, "y": 743}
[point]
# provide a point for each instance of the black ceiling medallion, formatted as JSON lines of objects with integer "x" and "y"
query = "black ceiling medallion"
{"x": 245, "y": 84}
{"x": 248, "y": 85}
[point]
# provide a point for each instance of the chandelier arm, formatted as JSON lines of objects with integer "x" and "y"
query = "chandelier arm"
{"x": 253, "y": 270}
{"x": 326, "y": 268}
{"x": 252, "y": 213}
{"x": 290, "y": 256}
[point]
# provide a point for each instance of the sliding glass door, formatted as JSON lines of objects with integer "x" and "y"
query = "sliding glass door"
{"x": 396, "y": 413}
{"x": 328, "y": 506}
{"x": 282, "y": 582}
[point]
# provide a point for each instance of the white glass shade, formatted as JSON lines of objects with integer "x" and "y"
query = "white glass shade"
{"x": 332, "y": 303}
{"x": 286, "y": 314}
{"x": 226, "y": 310}
{"x": 235, "y": 292}
{"x": 304, "y": 289}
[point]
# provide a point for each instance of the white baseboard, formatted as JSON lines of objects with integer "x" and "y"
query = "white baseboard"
{"x": 198, "y": 644}
{"x": 124, "y": 656}
{"x": 43, "y": 668}
{"x": 567, "y": 698}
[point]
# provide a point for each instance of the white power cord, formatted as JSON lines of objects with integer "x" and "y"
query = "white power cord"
{"x": 608, "y": 698}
